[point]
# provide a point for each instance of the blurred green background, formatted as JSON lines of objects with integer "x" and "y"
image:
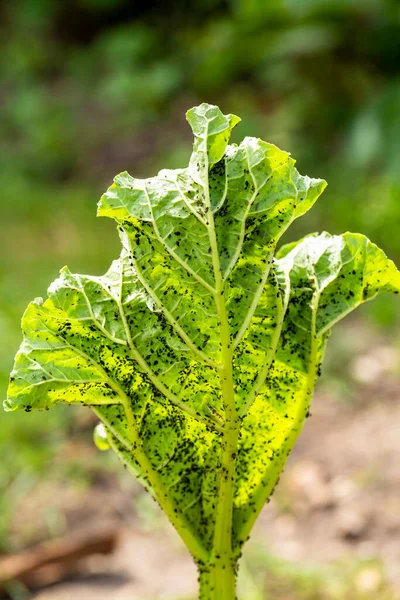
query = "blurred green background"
{"x": 92, "y": 87}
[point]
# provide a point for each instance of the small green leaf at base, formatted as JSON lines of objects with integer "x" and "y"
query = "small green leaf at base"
{"x": 100, "y": 437}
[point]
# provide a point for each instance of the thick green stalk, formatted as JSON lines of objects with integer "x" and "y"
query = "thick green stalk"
{"x": 216, "y": 583}
{"x": 221, "y": 577}
{"x": 222, "y": 567}
{"x": 205, "y": 585}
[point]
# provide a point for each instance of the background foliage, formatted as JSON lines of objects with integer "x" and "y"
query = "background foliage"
{"x": 92, "y": 87}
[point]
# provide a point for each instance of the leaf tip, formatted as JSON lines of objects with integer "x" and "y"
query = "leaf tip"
{"x": 39, "y": 301}
{"x": 198, "y": 115}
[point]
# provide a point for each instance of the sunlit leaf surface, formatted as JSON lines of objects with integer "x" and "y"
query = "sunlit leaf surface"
{"x": 196, "y": 316}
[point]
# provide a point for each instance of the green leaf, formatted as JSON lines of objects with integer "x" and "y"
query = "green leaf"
{"x": 198, "y": 350}
{"x": 346, "y": 270}
{"x": 326, "y": 278}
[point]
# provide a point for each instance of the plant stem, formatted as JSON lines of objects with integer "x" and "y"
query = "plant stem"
{"x": 223, "y": 563}
{"x": 216, "y": 582}
{"x": 205, "y": 584}
{"x": 222, "y": 575}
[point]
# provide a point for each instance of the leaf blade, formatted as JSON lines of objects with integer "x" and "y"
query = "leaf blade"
{"x": 196, "y": 331}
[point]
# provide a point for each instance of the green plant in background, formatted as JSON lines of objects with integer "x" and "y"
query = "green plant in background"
{"x": 199, "y": 349}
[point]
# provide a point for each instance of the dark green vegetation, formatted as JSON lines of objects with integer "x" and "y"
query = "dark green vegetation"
{"x": 91, "y": 88}
{"x": 200, "y": 347}
{"x": 87, "y": 85}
